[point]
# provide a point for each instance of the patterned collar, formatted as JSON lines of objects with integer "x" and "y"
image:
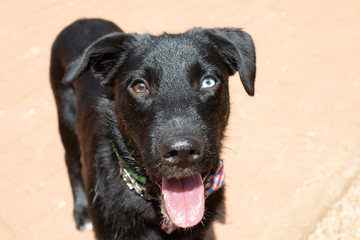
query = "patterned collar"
{"x": 131, "y": 178}
{"x": 134, "y": 181}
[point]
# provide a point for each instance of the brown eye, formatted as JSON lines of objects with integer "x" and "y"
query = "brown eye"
{"x": 140, "y": 87}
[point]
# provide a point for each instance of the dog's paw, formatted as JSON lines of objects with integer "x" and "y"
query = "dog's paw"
{"x": 82, "y": 219}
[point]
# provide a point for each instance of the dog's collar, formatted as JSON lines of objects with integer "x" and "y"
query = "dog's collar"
{"x": 131, "y": 178}
{"x": 213, "y": 182}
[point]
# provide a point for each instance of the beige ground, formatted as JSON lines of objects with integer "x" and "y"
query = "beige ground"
{"x": 343, "y": 220}
{"x": 291, "y": 153}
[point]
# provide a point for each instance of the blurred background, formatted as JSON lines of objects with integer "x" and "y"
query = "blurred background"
{"x": 292, "y": 152}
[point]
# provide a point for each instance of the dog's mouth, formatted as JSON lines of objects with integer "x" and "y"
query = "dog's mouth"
{"x": 182, "y": 193}
{"x": 184, "y": 200}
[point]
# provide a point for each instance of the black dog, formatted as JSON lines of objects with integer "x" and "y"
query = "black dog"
{"x": 142, "y": 118}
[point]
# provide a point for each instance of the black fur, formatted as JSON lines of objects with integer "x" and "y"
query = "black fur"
{"x": 94, "y": 68}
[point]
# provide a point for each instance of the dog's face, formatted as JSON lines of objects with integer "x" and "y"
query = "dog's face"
{"x": 171, "y": 100}
{"x": 173, "y": 91}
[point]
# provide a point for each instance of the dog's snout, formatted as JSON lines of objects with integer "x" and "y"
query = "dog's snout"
{"x": 184, "y": 151}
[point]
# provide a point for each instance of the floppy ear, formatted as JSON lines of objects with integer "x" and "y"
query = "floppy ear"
{"x": 237, "y": 49}
{"x": 103, "y": 58}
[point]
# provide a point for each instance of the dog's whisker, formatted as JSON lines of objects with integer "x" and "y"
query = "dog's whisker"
{"x": 232, "y": 150}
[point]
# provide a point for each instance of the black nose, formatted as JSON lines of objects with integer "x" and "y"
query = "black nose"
{"x": 182, "y": 151}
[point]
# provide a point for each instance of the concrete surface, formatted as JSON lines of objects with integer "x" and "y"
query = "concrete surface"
{"x": 343, "y": 219}
{"x": 291, "y": 152}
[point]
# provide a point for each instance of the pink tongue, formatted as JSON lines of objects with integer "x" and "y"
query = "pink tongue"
{"x": 184, "y": 200}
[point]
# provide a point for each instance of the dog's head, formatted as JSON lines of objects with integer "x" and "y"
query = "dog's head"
{"x": 171, "y": 101}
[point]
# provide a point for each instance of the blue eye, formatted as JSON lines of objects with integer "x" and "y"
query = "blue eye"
{"x": 208, "y": 82}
